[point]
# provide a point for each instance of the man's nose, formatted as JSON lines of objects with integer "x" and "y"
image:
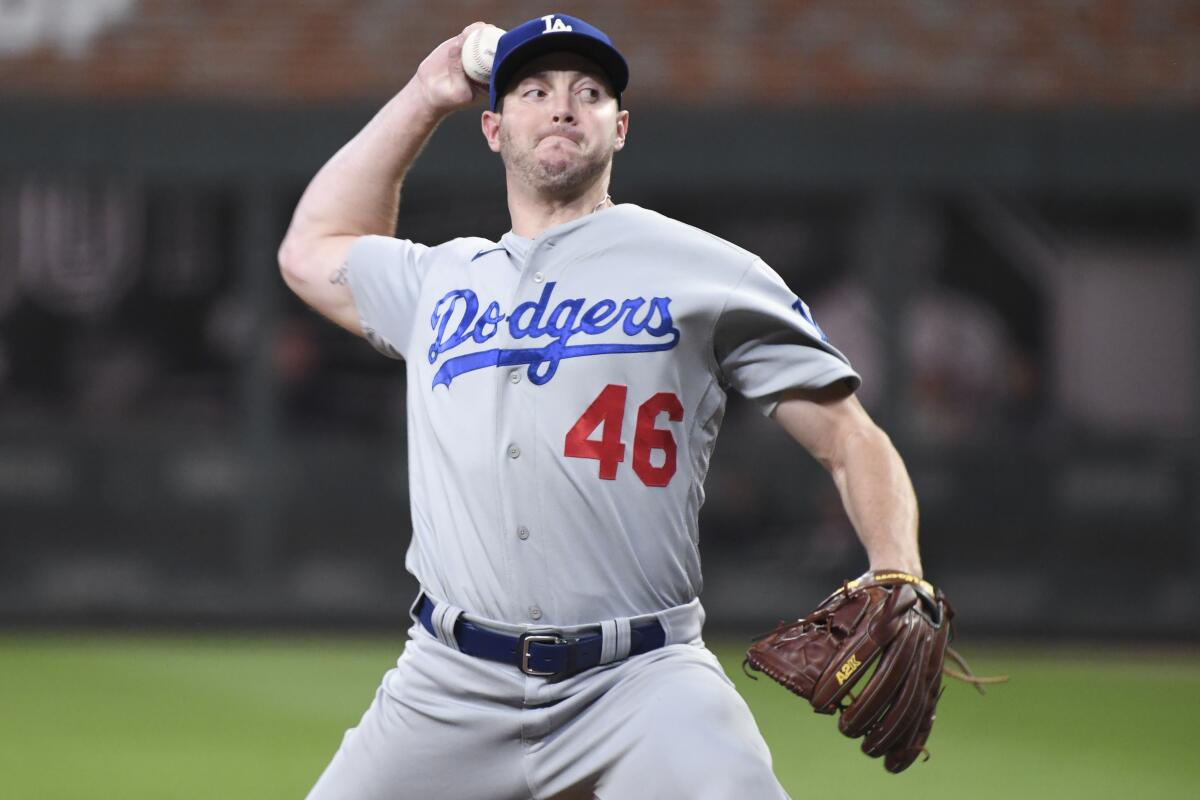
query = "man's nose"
{"x": 563, "y": 112}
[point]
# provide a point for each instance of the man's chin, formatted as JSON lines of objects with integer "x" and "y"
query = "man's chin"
{"x": 559, "y": 176}
{"x": 556, "y": 163}
{"x": 564, "y": 185}
{"x": 558, "y": 171}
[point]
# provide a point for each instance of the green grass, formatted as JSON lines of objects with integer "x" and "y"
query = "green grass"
{"x": 164, "y": 717}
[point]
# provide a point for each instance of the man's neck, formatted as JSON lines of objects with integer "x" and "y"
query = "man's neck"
{"x": 532, "y": 214}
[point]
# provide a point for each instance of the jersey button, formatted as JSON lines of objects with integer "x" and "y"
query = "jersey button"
{"x": 535, "y": 612}
{"x": 522, "y": 533}
{"x": 514, "y": 451}
{"x": 514, "y": 376}
{"x": 538, "y": 277}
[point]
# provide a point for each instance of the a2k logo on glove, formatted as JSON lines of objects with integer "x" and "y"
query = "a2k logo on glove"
{"x": 457, "y": 319}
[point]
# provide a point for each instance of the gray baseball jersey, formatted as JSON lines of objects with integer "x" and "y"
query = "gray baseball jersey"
{"x": 564, "y": 397}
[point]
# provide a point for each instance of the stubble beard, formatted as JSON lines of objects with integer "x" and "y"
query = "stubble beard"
{"x": 562, "y": 178}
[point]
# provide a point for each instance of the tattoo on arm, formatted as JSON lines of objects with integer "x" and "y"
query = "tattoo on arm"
{"x": 341, "y": 275}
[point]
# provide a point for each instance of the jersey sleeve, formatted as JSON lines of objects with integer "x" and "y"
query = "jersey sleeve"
{"x": 766, "y": 341}
{"x": 385, "y": 277}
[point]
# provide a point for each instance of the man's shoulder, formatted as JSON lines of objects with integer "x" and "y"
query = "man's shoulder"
{"x": 463, "y": 248}
{"x": 452, "y": 247}
{"x": 422, "y": 257}
{"x": 678, "y": 233}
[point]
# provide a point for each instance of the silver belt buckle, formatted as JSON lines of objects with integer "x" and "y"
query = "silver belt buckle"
{"x": 542, "y": 638}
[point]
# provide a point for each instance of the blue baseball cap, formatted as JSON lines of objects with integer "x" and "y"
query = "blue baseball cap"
{"x": 554, "y": 33}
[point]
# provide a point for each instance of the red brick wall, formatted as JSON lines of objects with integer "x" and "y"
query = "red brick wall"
{"x": 1008, "y": 52}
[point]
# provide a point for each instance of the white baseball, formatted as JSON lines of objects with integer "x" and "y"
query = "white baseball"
{"x": 479, "y": 50}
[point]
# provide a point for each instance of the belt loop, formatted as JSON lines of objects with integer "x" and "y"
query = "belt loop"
{"x": 444, "y": 617}
{"x": 615, "y": 640}
{"x": 682, "y": 623}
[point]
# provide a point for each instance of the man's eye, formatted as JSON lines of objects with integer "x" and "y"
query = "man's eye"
{"x": 535, "y": 93}
{"x": 591, "y": 93}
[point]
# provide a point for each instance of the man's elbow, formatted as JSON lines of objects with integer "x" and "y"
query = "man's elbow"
{"x": 859, "y": 437}
{"x": 293, "y": 265}
{"x": 865, "y": 433}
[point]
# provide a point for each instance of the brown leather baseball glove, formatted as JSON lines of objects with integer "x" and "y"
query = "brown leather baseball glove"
{"x": 891, "y": 626}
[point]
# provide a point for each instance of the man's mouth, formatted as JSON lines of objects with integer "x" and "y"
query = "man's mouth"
{"x": 565, "y": 136}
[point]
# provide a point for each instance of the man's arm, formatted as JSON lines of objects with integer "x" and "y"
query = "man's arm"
{"x": 357, "y": 192}
{"x": 870, "y": 476}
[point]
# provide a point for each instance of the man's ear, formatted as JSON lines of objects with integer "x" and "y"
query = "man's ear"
{"x": 622, "y": 129}
{"x": 490, "y": 122}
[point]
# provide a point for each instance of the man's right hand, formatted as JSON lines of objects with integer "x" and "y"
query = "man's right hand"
{"x": 443, "y": 83}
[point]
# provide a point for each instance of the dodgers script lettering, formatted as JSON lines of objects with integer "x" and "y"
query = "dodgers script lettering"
{"x": 457, "y": 320}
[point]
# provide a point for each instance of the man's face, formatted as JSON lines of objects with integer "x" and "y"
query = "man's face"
{"x": 558, "y": 125}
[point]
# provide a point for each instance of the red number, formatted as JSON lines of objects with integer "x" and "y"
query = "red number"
{"x": 648, "y": 438}
{"x": 607, "y": 409}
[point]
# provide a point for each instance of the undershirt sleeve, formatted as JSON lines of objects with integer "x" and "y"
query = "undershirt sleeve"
{"x": 767, "y": 342}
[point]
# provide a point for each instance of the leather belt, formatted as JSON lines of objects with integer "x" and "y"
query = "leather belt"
{"x": 541, "y": 653}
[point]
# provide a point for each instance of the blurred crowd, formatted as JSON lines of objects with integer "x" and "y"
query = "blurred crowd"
{"x": 123, "y": 303}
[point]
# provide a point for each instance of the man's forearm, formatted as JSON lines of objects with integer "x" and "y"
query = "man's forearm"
{"x": 357, "y": 191}
{"x": 879, "y": 499}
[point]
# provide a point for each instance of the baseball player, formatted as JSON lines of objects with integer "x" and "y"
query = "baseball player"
{"x": 565, "y": 388}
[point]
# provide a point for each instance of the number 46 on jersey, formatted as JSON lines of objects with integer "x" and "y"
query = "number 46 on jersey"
{"x": 608, "y": 410}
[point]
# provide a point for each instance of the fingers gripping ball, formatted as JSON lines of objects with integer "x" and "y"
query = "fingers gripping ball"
{"x": 886, "y": 631}
{"x": 479, "y": 50}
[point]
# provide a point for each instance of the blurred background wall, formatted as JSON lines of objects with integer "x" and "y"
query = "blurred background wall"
{"x": 990, "y": 206}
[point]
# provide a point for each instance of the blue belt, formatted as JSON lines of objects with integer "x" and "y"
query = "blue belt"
{"x": 543, "y": 654}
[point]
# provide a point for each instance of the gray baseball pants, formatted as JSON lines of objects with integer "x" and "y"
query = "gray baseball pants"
{"x": 664, "y": 725}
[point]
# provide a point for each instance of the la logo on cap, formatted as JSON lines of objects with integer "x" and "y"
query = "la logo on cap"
{"x": 554, "y": 24}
